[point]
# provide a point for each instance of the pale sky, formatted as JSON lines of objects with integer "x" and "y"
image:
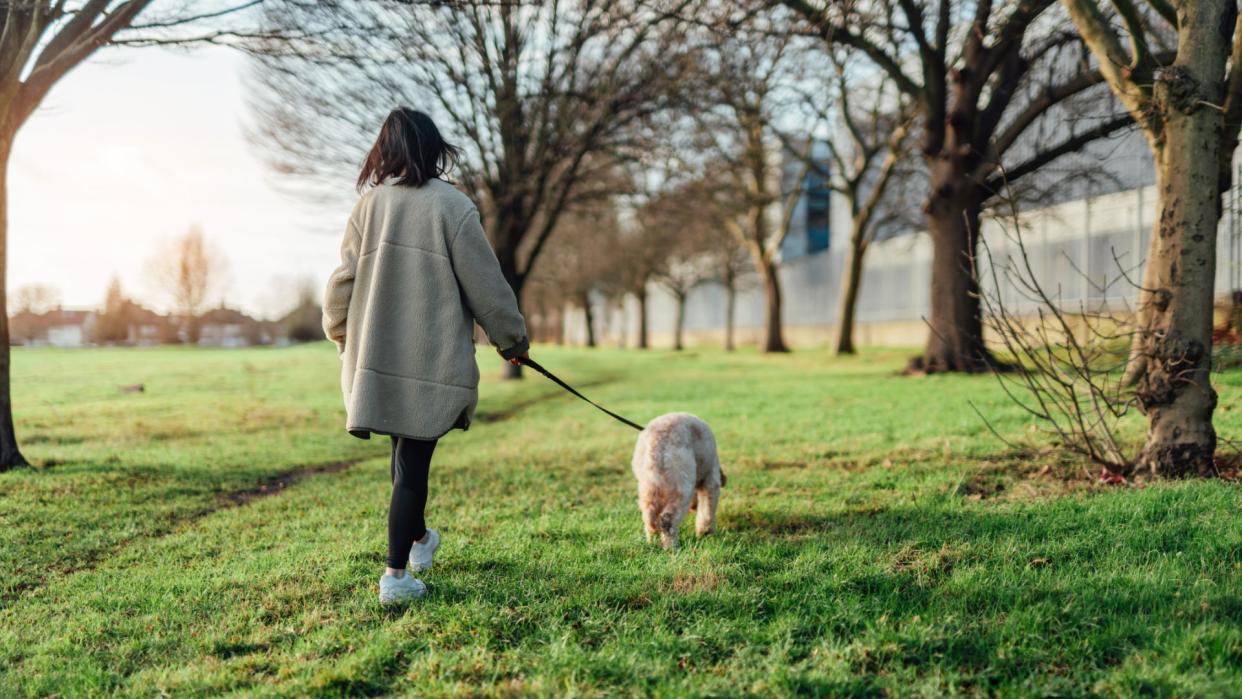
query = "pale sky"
{"x": 133, "y": 148}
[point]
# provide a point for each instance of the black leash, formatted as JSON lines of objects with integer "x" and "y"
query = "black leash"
{"x": 552, "y": 377}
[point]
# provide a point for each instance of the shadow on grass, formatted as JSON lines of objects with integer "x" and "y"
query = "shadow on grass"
{"x": 487, "y": 416}
{"x": 979, "y": 599}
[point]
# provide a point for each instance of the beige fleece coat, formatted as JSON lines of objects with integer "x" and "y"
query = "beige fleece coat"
{"x": 416, "y": 273}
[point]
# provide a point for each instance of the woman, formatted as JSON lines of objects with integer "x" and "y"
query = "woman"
{"x": 416, "y": 273}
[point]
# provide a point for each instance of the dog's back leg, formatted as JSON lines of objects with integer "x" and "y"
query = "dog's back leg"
{"x": 670, "y": 516}
{"x": 649, "y": 503}
{"x": 649, "y": 525}
{"x": 707, "y": 491}
{"x": 708, "y": 495}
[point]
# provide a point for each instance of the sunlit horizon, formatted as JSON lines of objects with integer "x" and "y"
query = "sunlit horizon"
{"x": 136, "y": 147}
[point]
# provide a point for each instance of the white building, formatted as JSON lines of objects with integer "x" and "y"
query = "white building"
{"x": 1079, "y": 246}
{"x": 56, "y": 328}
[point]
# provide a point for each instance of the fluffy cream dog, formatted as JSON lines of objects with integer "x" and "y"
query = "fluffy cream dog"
{"x": 675, "y": 460}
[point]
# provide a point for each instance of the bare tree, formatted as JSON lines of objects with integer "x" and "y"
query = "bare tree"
{"x": 32, "y": 300}
{"x": 711, "y": 203}
{"x": 36, "y": 299}
{"x": 1190, "y": 111}
{"x": 579, "y": 267}
{"x": 542, "y": 97}
{"x": 189, "y": 271}
{"x": 733, "y": 269}
{"x": 1068, "y": 360}
{"x": 642, "y": 255}
{"x": 684, "y": 238}
{"x": 866, "y": 154}
{"x": 112, "y": 325}
{"x": 750, "y": 84}
{"x": 685, "y": 271}
{"x": 686, "y": 235}
{"x": 980, "y": 75}
{"x": 40, "y": 42}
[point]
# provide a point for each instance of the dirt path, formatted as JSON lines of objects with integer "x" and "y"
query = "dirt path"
{"x": 179, "y": 522}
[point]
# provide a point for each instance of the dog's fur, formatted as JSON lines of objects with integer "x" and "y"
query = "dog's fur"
{"x": 675, "y": 460}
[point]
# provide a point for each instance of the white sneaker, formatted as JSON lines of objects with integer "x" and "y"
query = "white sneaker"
{"x": 403, "y": 589}
{"x": 421, "y": 555}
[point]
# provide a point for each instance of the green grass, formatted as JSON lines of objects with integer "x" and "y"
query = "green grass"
{"x": 874, "y": 538}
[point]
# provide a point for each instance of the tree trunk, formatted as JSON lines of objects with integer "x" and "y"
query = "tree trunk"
{"x": 680, "y": 326}
{"x": 730, "y": 306}
{"x": 193, "y": 329}
{"x": 955, "y": 342}
{"x": 774, "y": 338}
{"x": 849, "y": 293}
{"x": 10, "y": 455}
{"x": 642, "y": 317}
{"x": 1174, "y": 389}
{"x": 589, "y": 313}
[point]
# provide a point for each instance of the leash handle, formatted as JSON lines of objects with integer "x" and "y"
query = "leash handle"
{"x": 553, "y": 378}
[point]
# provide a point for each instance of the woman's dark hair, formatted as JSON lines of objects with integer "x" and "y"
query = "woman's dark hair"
{"x": 409, "y": 151}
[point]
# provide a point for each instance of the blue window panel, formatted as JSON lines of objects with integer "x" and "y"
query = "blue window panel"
{"x": 818, "y": 198}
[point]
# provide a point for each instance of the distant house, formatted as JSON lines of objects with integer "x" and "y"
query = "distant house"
{"x": 57, "y": 328}
{"x": 229, "y": 327}
{"x": 144, "y": 326}
{"x": 126, "y": 322}
{"x": 136, "y": 325}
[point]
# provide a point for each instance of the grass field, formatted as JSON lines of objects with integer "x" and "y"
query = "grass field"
{"x": 219, "y": 532}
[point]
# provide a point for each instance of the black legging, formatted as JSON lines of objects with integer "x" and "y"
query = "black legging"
{"x": 411, "y": 460}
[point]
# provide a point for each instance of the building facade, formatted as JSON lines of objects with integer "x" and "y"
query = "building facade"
{"x": 1086, "y": 244}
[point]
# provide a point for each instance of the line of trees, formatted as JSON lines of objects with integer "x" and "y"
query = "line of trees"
{"x": 562, "y": 105}
{"x": 559, "y": 105}
{"x": 653, "y": 127}
{"x": 546, "y": 100}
